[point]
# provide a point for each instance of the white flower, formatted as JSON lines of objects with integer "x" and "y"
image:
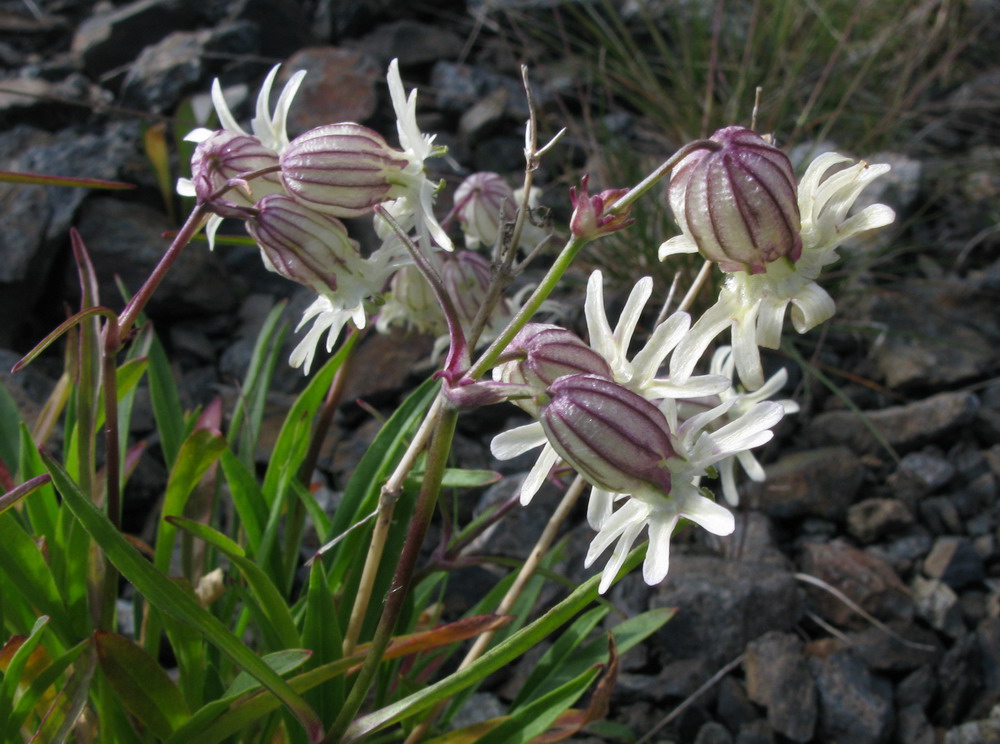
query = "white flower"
{"x": 741, "y": 402}
{"x": 269, "y": 128}
{"x": 638, "y": 375}
{"x": 753, "y": 305}
{"x": 697, "y": 450}
{"x": 415, "y": 208}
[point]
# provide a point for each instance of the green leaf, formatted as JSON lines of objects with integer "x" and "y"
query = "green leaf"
{"x": 270, "y": 600}
{"x": 40, "y": 684}
{"x": 282, "y": 662}
{"x": 245, "y": 424}
{"x": 25, "y": 567}
{"x": 173, "y": 601}
{"x": 12, "y": 676}
{"x": 202, "y": 448}
{"x": 42, "y": 508}
{"x": 140, "y": 683}
{"x": 558, "y": 653}
{"x": 321, "y": 633}
{"x": 41, "y": 179}
{"x": 459, "y": 478}
{"x": 10, "y": 441}
{"x": 247, "y": 497}
{"x": 166, "y": 403}
{"x": 17, "y": 493}
{"x": 536, "y": 717}
{"x": 495, "y": 658}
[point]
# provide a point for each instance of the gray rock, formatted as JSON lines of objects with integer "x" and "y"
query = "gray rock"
{"x": 713, "y": 733}
{"x": 864, "y": 578}
{"x": 281, "y": 24}
{"x": 953, "y": 560}
{"x": 109, "y": 40}
{"x": 340, "y": 85}
{"x": 904, "y": 552}
{"x": 125, "y": 240}
{"x": 937, "y": 603}
{"x": 913, "y": 727}
{"x": 959, "y": 680}
{"x": 481, "y": 706}
{"x": 412, "y": 43}
{"x": 778, "y": 678}
{"x": 733, "y": 705}
{"x": 974, "y": 732}
{"x": 920, "y": 473}
{"x": 855, "y": 706}
{"x": 755, "y": 732}
{"x": 459, "y": 86}
{"x": 903, "y": 427}
{"x": 988, "y": 638}
{"x": 941, "y": 515}
{"x": 911, "y": 647}
{"x": 35, "y": 220}
{"x": 722, "y": 605}
{"x": 819, "y": 483}
{"x": 917, "y": 688}
{"x": 180, "y": 64}
{"x": 872, "y": 519}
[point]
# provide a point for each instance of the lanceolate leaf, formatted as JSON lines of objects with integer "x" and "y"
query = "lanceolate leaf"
{"x": 173, "y": 601}
{"x": 140, "y": 683}
{"x": 12, "y": 675}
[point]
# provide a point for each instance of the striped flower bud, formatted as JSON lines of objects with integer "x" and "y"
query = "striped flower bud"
{"x": 305, "y": 246}
{"x": 738, "y": 204}
{"x": 616, "y": 439}
{"x": 481, "y": 201}
{"x": 227, "y": 155}
{"x": 341, "y": 169}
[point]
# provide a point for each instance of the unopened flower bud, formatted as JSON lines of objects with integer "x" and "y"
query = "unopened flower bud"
{"x": 341, "y": 169}
{"x": 481, "y": 201}
{"x": 225, "y": 156}
{"x": 616, "y": 439}
{"x": 738, "y": 203}
{"x": 590, "y": 219}
{"x": 304, "y": 245}
{"x": 549, "y": 352}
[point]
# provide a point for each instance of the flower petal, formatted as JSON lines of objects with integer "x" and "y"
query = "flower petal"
{"x": 509, "y": 444}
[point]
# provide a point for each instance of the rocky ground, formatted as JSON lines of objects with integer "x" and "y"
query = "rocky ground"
{"x": 859, "y": 600}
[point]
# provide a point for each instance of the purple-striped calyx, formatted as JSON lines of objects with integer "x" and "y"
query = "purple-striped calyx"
{"x": 224, "y": 158}
{"x": 342, "y": 169}
{"x": 616, "y": 439}
{"x": 306, "y": 246}
{"x": 738, "y": 203}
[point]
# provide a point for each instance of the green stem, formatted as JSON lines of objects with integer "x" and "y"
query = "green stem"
{"x": 437, "y": 458}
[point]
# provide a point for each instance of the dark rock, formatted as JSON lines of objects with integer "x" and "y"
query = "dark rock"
{"x": 854, "y": 705}
{"x": 959, "y": 680}
{"x": 755, "y": 732}
{"x": 733, "y": 705}
{"x": 778, "y": 678}
{"x": 919, "y": 474}
{"x": 412, "y": 43}
{"x": 912, "y": 726}
{"x": 29, "y": 388}
{"x": 459, "y": 86}
{"x": 954, "y": 561}
{"x": 903, "y": 427}
{"x": 988, "y": 638}
{"x": 722, "y": 605}
{"x": 903, "y": 648}
{"x": 678, "y": 679}
{"x": 38, "y": 102}
{"x": 126, "y": 240}
{"x": 864, "y": 578}
{"x": 35, "y": 220}
{"x": 109, "y": 40}
{"x": 340, "y": 85}
{"x": 179, "y": 65}
{"x": 713, "y": 733}
{"x": 931, "y": 338}
{"x": 941, "y": 515}
{"x": 281, "y": 24}
{"x": 820, "y": 483}
{"x": 754, "y": 540}
{"x": 917, "y": 688}
{"x": 872, "y": 519}
{"x": 905, "y": 552}
{"x": 387, "y": 361}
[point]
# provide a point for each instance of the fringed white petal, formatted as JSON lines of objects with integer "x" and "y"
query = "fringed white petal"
{"x": 599, "y": 507}
{"x": 620, "y": 553}
{"x": 770, "y": 319}
{"x": 713, "y": 517}
{"x": 661, "y": 342}
{"x": 657, "y": 563}
{"x": 746, "y": 355}
{"x": 538, "y": 473}
{"x": 676, "y": 245}
{"x": 509, "y": 444}
{"x": 695, "y": 387}
{"x": 869, "y": 218}
{"x": 185, "y": 187}
{"x": 211, "y": 228}
{"x": 715, "y": 320}
{"x": 811, "y": 306}
{"x": 629, "y": 318}
{"x": 751, "y": 466}
{"x": 279, "y": 124}
{"x": 601, "y": 338}
{"x": 226, "y": 118}
{"x": 261, "y": 124}
{"x": 727, "y": 478}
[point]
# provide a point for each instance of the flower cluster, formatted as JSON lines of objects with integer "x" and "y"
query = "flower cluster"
{"x": 638, "y": 425}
